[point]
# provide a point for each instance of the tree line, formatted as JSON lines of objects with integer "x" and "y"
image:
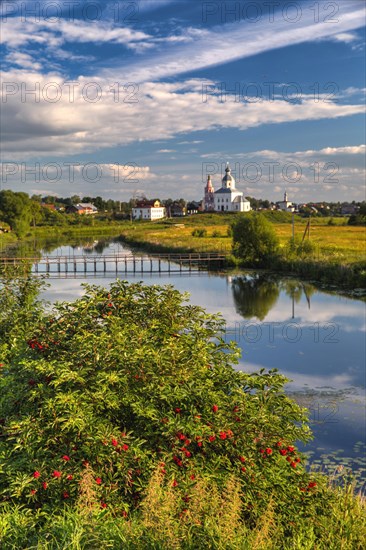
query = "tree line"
{"x": 19, "y": 211}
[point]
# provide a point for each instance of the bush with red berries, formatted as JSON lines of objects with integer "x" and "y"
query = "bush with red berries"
{"x": 105, "y": 391}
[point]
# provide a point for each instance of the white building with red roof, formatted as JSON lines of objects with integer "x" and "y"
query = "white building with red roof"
{"x": 148, "y": 210}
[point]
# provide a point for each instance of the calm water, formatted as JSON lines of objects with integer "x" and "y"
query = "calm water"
{"x": 314, "y": 338}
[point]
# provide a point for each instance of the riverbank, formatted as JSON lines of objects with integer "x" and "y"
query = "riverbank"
{"x": 48, "y": 236}
{"x": 338, "y": 257}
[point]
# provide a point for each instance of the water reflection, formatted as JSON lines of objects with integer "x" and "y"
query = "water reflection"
{"x": 256, "y": 294}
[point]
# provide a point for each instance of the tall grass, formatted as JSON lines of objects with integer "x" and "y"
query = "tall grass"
{"x": 213, "y": 518}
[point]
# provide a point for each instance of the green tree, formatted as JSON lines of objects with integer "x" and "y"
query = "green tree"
{"x": 17, "y": 210}
{"x": 254, "y": 239}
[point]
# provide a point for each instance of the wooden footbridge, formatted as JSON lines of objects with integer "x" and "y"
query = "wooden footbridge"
{"x": 124, "y": 263}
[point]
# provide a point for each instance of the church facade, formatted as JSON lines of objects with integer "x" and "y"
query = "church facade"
{"x": 286, "y": 205}
{"x": 226, "y": 199}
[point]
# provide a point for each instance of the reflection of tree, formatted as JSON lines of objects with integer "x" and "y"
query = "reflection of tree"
{"x": 292, "y": 288}
{"x": 101, "y": 245}
{"x": 254, "y": 296}
{"x": 295, "y": 289}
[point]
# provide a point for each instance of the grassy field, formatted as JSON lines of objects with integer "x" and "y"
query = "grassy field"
{"x": 337, "y": 243}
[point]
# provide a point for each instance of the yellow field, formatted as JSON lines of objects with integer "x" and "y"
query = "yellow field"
{"x": 348, "y": 242}
{"x": 336, "y": 243}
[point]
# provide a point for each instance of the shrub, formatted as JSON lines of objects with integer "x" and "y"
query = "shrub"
{"x": 254, "y": 239}
{"x": 307, "y": 248}
{"x": 127, "y": 381}
{"x": 295, "y": 248}
{"x": 199, "y": 233}
{"x": 216, "y": 234}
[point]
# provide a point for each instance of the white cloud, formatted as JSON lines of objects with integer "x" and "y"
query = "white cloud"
{"x": 72, "y": 127}
{"x": 15, "y": 32}
{"x": 233, "y": 41}
{"x": 346, "y": 37}
{"x": 23, "y": 60}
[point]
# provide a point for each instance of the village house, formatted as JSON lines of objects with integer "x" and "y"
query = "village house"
{"x": 193, "y": 207}
{"x": 176, "y": 210}
{"x": 148, "y": 210}
{"x": 82, "y": 208}
{"x": 349, "y": 209}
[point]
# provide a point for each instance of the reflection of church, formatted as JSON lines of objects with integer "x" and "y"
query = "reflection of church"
{"x": 226, "y": 199}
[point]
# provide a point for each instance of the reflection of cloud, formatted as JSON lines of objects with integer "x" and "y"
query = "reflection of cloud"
{"x": 322, "y": 384}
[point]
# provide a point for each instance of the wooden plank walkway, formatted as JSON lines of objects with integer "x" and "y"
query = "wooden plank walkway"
{"x": 127, "y": 263}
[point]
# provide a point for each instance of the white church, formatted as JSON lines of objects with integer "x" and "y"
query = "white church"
{"x": 226, "y": 199}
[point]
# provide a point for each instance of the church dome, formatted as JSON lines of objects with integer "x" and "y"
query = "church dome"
{"x": 228, "y": 181}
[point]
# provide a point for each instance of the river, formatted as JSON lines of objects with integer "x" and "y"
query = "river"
{"x": 313, "y": 337}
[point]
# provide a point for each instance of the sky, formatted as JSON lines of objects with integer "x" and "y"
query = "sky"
{"x": 147, "y": 97}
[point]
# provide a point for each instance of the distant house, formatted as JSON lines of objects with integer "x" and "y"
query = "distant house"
{"x": 82, "y": 208}
{"x": 193, "y": 207}
{"x": 177, "y": 210}
{"x": 148, "y": 210}
{"x": 349, "y": 209}
{"x": 49, "y": 206}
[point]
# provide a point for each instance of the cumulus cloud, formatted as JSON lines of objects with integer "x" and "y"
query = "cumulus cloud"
{"x": 66, "y": 178}
{"x": 85, "y": 116}
{"x": 15, "y": 32}
{"x": 23, "y": 60}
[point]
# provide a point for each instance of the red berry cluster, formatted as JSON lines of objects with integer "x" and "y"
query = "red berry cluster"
{"x": 34, "y": 344}
{"x": 115, "y": 444}
{"x": 58, "y": 474}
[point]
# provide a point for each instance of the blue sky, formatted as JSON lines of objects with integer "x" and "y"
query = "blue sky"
{"x": 149, "y": 96}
